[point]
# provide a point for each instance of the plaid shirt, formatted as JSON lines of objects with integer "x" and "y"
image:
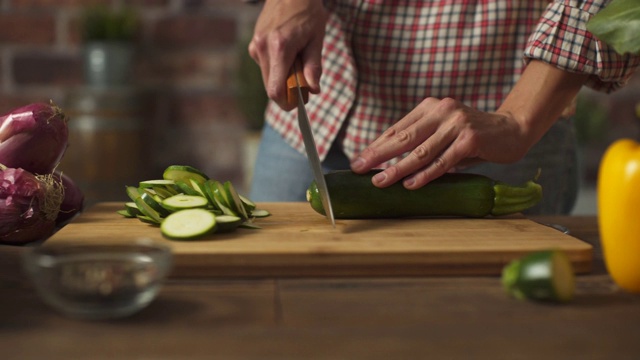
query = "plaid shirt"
{"x": 382, "y": 58}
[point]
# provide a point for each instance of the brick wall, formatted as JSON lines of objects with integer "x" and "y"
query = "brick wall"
{"x": 184, "y": 78}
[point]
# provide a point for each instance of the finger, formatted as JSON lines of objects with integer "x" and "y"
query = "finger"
{"x": 312, "y": 62}
{"x": 262, "y": 61}
{"x": 403, "y": 136}
{"x": 421, "y": 157}
{"x": 458, "y": 152}
{"x": 281, "y": 53}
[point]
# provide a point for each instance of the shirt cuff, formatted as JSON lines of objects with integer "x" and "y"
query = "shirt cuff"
{"x": 561, "y": 38}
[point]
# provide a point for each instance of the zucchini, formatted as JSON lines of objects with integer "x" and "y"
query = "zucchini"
{"x": 186, "y": 188}
{"x": 184, "y": 173}
{"x": 154, "y": 203}
{"x": 182, "y": 201}
{"x": 125, "y": 213}
{"x": 544, "y": 275}
{"x": 249, "y": 205}
{"x": 188, "y": 224}
{"x": 135, "y": 195}
{"x": 132, "y": 208}
{"x": 187, "y": 204}
{"x": 235, "y": 203}
{"x": 153, "y": 183}
{"x": 148, "y": 220}
{"x": 260, "y": 213}
{"x": 227, "y": 223}
{"x": 353, "y": 196}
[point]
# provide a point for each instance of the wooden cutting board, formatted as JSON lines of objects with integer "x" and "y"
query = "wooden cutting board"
{"x": 296, "y": 241}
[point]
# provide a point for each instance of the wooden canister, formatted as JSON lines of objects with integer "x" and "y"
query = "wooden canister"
{"x": 106, "y": 142}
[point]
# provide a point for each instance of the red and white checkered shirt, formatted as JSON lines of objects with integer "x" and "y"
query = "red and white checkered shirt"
{"x": 382, "y": 58}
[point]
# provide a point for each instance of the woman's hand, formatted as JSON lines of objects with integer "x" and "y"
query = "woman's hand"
{"x": 286, "y": 29}
{"x": 441, "y": 135}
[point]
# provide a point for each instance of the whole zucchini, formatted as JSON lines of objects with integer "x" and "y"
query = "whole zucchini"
{"x": 353, "y": 196}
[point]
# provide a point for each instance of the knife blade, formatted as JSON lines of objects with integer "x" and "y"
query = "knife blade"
{"x": 298, "y": 95}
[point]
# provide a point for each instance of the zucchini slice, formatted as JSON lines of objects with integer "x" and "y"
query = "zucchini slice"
{"x": 247, "y": 203}
{"x": 544, "y": 275}
{"x": 153, "y": 183}
{"x": 125, "y": 213}
{"x": 184, "y": 173}
{"x": 235, "y": 203}
{"x": 154, "y": 203}
{"x": 188, "y": 224}
{"x": 182, "y": 201}
{"x": 227, "y": 223}
{"x": 186, "y": 188}
{"x": 132, "y": 208}
{"x": 260, "y": 213}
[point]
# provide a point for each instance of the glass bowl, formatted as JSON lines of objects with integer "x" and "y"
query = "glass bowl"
{"x": 104, "y": 281}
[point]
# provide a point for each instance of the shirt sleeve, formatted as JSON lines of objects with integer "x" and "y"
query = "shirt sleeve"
{"x": 561, "y": 38}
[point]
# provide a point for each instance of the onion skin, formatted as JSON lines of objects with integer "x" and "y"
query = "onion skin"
{"x": 34, "y": 138}
{"x": 73, "y": 202}
{"x": 29, "y": 205}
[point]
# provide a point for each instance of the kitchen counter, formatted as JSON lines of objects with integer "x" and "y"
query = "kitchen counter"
{"x": 436, "y": 317}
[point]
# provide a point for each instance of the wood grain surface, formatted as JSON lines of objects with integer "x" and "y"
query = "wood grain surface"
{"x": 295, "y": 241}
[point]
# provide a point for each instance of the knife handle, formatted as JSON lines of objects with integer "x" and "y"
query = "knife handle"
{"x": 292, "y": 85}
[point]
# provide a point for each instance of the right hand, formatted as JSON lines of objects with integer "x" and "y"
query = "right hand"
{"x": 286, "y": 29}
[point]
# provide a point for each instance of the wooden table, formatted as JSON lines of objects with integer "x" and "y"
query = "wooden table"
{"x": 334, "y": 318}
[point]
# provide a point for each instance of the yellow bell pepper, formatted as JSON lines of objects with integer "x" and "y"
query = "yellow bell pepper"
{"x": 619, "y": 212}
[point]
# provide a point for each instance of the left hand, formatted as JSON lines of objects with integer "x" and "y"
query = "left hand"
{"x": 440, "y": 135}
{"x": 444, "y": 134}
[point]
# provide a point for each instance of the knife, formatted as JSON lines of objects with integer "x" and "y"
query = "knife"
{"x": 298, "y": 95}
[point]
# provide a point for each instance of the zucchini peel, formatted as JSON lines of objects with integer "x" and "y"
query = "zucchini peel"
{"x": 353, "y": 196}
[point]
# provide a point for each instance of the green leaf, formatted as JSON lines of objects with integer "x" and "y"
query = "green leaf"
{"x": 618, "y": 25}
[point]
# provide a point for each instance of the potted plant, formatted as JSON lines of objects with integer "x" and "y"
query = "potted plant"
{"x": 108, "y": 37}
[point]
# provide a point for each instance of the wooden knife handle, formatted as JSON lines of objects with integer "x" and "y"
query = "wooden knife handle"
{"x": 292, "y": 88}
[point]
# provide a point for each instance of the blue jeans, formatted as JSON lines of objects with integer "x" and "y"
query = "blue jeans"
{"x": 283, "y": 174}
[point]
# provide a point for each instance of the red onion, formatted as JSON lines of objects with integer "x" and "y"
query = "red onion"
{"x": 33, "y": 137}
{"x": 73, "y": 202}
{"x": 29, "y": 205}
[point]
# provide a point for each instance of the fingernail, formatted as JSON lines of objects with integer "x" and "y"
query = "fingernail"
{"x": 358, "y": 163}
{"x": 379, "y": 178}
{"x": 409, "y": 182}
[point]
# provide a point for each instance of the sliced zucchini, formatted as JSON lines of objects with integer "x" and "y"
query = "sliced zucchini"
{"x": 186, "y": 188}
{"x": 136, "y": 195}
{"x": 259, "y": 213}
{"x": 235, "y": 203}
{"x": 221, "y": 199}
{"x": 148, "y": 220}
{"x": 227, "y": 223}
{"x": 197, "y": 187}
{"x": 250, "y": 225}
{"x": 132, "y": 208}
{"x": 125, "y": 213}
{"x": 154, "y": 203}
{"x": 188, "y": 224}
{"x": 163, "y": 192}
{"x": 248, "y": 204}
{"x": 208, "y": 191}
{"x": 153, "y": 183}
{"x": 182, "y": 201}
{"x": 184, "y": 173}
{"x": 544, "y": 275}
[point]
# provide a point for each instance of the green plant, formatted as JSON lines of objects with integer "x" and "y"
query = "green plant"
{"x": 100, "y": 23}
{"x": 618, "y": 25}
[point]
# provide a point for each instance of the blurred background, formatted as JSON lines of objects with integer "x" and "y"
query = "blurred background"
{"x": 151, "y": 83}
